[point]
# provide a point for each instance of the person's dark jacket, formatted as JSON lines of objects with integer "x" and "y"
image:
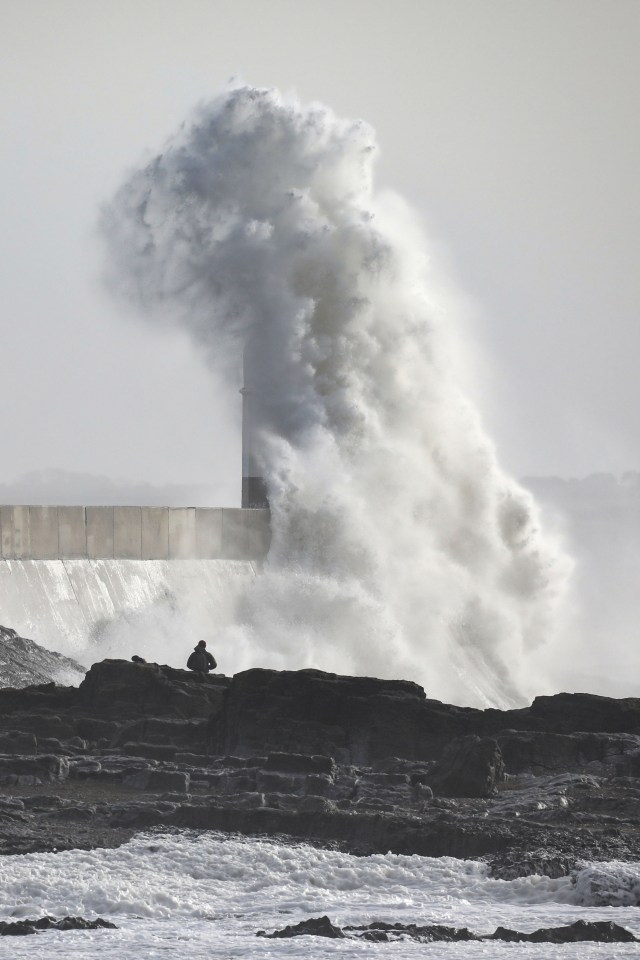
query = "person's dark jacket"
{"x": 201, "y": 660}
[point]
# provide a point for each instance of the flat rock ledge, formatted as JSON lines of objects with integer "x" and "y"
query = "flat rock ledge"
{"x": 363, "y": 764}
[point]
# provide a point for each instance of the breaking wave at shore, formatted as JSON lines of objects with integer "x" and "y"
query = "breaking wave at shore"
{"x": 207, "y": 895}
{"x": 400, "y": 548}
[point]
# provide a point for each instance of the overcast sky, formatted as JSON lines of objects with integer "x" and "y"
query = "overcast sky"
{"x": 510, "y": 125}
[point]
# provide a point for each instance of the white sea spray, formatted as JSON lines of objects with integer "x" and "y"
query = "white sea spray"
{"x": 400, "y": 548}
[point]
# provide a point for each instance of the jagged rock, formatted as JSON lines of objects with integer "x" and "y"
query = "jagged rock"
{"x": 19, "y": 928}
{"x": 24, "y": 662}
{"x": 601, "y": 931}
{"x": 380, "y": 932}
{"x": 470, "y": 767}
{"x": 314, "y": 927}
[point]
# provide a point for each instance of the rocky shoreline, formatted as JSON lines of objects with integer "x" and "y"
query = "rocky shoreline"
{"x": 363, "y": 764}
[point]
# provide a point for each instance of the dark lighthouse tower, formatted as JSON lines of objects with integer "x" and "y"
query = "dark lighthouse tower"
{"x": 254, "y": 488}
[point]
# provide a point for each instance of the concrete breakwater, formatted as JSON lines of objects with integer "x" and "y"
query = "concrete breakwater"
{"x": 85, "y": 581}
{"x": 133, "y": 533}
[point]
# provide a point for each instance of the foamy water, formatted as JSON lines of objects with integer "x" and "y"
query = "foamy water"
{"x": 188, "y": 895}
{"x": 400, "y": 548}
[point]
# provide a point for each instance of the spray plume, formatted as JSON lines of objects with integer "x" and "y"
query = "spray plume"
{"x": 399, "y": 547}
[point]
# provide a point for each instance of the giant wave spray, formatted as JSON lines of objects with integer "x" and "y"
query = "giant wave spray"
{"x": 399, "y": 547}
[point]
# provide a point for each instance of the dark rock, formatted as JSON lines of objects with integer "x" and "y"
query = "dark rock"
{"x": 24, "y": 663}
{"x": 157, "y": 751}
{"x": 238, "y": 783}
{"x": 470, "y": 767}
{"x": 352, "y": 719}
{"x": 84, "y": 767}
{"x": 20, "y": 928}
{"x": 96, "y": 728}
{"x": 314, "y": 756}
{"x": 268, "y": 781}
{"x": 602, "y": 931}
{"x": 124, "y": 688}
{"x": 526, "y": 751}
{"x": 430, "y": 933}
{"x": 320, "y": 785}
{"x": 42, "y": 768}
{"x": 297, "y": 763}
{"x": 379, "y": 932}
{"x": 314, "y": 927}
{"x": 504, "y": 867}
{"x": 582, "y": 712}
{"x": 21, "y": 743}
{"x": 250, "y": 800}
{"x": 158, "y": 781}
{"x": 311, "y": 804}
{"x": 184, "y": 734}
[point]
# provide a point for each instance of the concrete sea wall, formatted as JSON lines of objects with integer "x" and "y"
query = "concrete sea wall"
{"x": 133, "y": 533}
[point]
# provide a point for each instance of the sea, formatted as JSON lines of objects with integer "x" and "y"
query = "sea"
{"x": 187, "y": 894}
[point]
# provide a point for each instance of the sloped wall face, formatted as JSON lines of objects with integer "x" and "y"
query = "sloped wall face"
{"x": 91, "y": 609}
{"x": 133, "y": 533}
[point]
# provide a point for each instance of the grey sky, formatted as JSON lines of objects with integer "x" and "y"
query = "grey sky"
{"x": 510, "y": 126}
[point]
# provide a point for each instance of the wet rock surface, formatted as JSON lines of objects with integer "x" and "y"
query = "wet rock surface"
{"x": 367, "y": 765}
{"x": 24, "y": 661}
{"x": 21, "y": 928}
{"x": 581, "y": 931}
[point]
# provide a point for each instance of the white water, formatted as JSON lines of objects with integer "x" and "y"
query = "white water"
{"x": 399, "y": 547}
{"x": 92, "y": 609}
{"x": 185, "y": 896}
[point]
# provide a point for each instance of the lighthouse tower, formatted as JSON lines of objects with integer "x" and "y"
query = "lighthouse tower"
{"x": 254, "y": 488}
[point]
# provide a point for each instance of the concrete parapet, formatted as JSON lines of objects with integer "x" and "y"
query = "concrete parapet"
{"x": 155, "y": 533}
{"x": 208, "y": 534}
{"x": 99, "y": 533}
{"x": 16, "y": 539}
{"x": 43, "y": 533}
{"x": 127, "y": 533}
{"x": 72, "y": 532}
{"x": 133, "y": 533}
{"x": 182, "y": 533}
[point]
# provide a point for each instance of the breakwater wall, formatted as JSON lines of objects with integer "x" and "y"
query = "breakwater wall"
{"x": 133, "y": 533}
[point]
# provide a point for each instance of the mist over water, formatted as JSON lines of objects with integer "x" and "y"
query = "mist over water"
{"x": 400, "y": 549}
